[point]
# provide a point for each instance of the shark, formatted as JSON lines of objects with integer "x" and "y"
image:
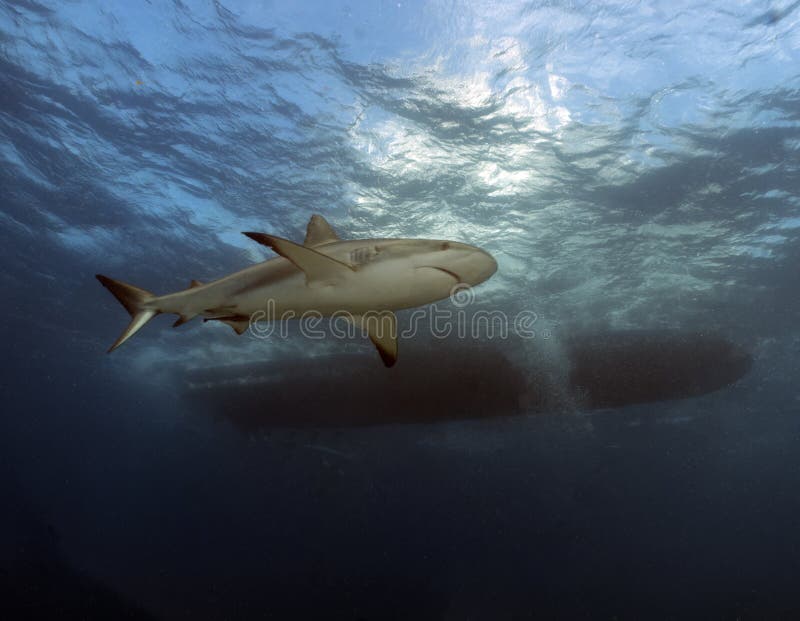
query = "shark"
{"x": 362, "y": 280}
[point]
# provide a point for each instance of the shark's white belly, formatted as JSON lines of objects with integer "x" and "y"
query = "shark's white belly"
{"x": 373, "y": 289}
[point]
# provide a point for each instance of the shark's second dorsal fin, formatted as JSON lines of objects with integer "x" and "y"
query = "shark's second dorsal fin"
{"x": 195, "y": 283}
{"x": 320, "y": 269}
{"x": 319, "y": 232}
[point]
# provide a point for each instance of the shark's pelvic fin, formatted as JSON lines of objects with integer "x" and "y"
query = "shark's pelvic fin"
{"x": 381, "y": 327}
{"x": 240, "y": 327}
{"x": 319, "y": 269}
{"x": 134, "y": 300}
{"x": 319, "y": 232}
{"x": 239, "y": 323}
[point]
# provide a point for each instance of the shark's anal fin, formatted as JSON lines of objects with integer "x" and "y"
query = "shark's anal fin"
{"x": 319, "y": 232}
{"x": 381, "y": 327}
{"x": 182, "y": 319}
{"x": 319, "y": 269}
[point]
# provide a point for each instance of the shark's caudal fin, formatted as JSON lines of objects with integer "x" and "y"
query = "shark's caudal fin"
{"x": 133, "y": 299}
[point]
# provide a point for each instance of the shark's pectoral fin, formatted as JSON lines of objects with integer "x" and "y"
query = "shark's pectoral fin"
{"x": 381, "y": 327}
{"x": 319, "y": 269}
{"x": 319, "y": 232}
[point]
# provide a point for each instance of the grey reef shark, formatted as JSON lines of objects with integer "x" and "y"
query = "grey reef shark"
{"x": 363, "y": 280}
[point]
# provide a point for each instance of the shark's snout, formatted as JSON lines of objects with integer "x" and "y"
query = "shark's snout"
{"x": 487, "y": 267}
{"x": 473, "y": 265}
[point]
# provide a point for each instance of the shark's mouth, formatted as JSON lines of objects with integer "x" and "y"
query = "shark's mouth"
{"x": 453, "y": 275}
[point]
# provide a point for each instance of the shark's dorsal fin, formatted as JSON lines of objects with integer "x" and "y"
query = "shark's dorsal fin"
{"x": 319, "y": 232}
{"x": 194, "y": 284}
{"x": 319, "y": 269}
{"x": 381, "y": 327}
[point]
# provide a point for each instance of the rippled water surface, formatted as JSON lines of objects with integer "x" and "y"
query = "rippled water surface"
{"x": 631, "y": 165}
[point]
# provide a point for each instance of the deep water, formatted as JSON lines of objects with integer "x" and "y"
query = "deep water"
{"x": 634, "y": 167}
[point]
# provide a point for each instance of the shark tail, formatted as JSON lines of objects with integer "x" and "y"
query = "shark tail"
{"x": 135, "y": 302}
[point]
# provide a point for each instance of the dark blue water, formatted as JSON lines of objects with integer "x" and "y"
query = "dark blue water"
{"x": 630, "y": 165}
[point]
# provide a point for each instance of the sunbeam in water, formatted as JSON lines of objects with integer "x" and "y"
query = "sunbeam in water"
{"x": 604, "y": 427}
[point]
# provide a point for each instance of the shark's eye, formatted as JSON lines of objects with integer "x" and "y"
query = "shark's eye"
{"x": 445, "y": 246}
